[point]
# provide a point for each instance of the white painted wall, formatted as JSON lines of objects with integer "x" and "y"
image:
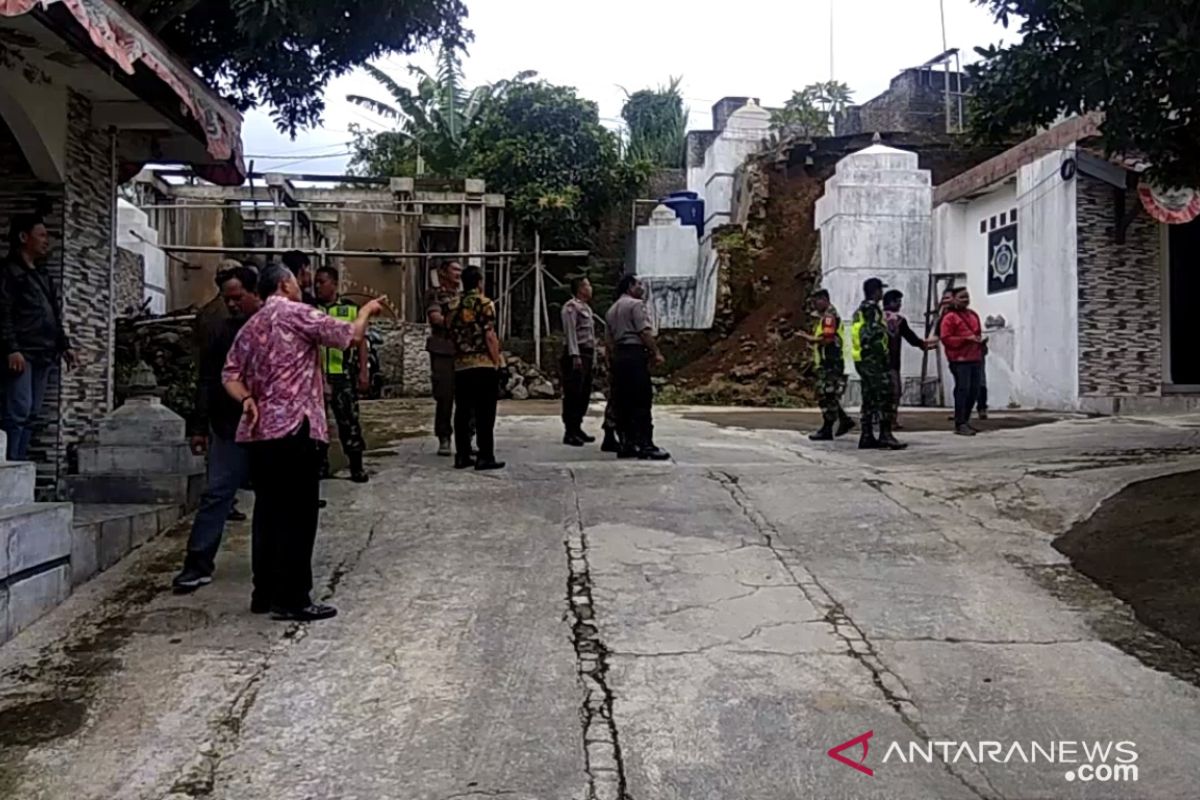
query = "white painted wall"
{"x": 959, "y": 247}
{"x": 743, "y": 136}
{"x": 875, "y": 222}
{"x": 37, "y": 116}
{"x": 133, "y": 223}
{"x": 1047, "y": 340}
{"x": 667, "y": 258}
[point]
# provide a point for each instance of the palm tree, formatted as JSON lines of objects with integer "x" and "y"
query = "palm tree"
{"x": 438, "y": 114}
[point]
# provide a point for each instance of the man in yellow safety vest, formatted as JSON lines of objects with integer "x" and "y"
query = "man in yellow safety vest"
{"x": 340, "y": 372}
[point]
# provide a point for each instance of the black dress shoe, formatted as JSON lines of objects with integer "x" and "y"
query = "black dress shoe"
{"x": 236, "y": 516}
{"x": 611, "y": 443}
{"x": 486, "y": 465}
{"x": 653, "y": 453}
{"x": 585, "y": 437}
{"x": 572, "y": 440}
{"x": 311, "y": 613}
{"x": 463, "y": 462}
{"x": 360, "y": 477}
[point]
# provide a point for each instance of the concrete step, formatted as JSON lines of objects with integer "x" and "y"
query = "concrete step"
{"x": 147, "y": 459}
{"x": 35, "y": 570}
{"x": 163, "y": 489}
{"x": 32, "y": 535}
{"x": 17, "y": 481}
{"x": 105, "y": 533}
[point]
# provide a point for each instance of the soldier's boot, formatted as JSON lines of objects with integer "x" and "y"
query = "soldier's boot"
{"x": 846, "y": 425}
{"x": 867, "y": 440}
{"x": 887, "y": 441}
{"x": 611, "y": 443}
{"x": 358, "y": 472}
{"x": 823, "y": 435}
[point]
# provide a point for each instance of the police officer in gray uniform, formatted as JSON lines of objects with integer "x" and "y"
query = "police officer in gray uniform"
{"x": 633, "y": 348}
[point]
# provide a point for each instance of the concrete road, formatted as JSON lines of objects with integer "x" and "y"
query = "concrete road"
{"x": 576, "y": 627}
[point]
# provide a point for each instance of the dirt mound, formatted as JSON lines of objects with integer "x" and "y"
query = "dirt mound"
{"x": 772, "y": 266}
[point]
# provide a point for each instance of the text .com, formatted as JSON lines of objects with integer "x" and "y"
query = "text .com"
{"x": 1084, "y": 761}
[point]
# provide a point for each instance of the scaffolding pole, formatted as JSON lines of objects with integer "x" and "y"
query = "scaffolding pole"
{"x": 537, "y": 299}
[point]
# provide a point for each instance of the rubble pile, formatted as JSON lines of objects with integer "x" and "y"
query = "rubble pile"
{"x": 520, "y": 380}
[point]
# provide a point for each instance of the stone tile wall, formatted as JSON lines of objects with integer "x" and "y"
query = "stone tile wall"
{"x": 129, "y": 289}
{"x": 1120, "y": 300}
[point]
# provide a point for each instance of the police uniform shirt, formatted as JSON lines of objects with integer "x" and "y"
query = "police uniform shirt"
{"x": 627, "y": 320}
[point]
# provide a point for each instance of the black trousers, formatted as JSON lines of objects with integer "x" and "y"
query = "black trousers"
{"x": 982, "y": 406}
{"x": 443, "y": 394}
{"x": 475, "y": 394}
{"x": 968, "y": 376}
{"x": 633, "y": 395}
{"x": 577, "y": 389}
{"x": 286, "y": 496}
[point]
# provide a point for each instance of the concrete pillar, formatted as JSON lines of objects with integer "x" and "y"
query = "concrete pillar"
{"x": 876, "y": 222}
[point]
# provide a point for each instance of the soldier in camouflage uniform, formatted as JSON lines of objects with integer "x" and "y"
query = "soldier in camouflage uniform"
{"x": 830, "y": 366}
{"x": 869, "y": 344}
{"x": 345, "y": 375}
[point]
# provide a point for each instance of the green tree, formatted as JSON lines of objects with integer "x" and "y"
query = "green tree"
{"x": 810, "y": 111}
{"x": 432, "y": 121}
{"x": 543, "y": 146}
{"x": 282, "y": 53}
{"x": 1134, "y": 61}
{"x": 657, "y": 124}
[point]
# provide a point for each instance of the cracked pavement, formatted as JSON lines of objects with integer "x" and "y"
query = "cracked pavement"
{"x": 577, "y": 628}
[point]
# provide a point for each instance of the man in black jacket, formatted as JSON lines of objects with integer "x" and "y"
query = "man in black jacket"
{"x": 213, "y": 430}
{"x": 31, "y": 331}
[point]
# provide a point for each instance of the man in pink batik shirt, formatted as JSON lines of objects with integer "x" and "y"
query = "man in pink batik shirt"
{"x": 274, "y": 372}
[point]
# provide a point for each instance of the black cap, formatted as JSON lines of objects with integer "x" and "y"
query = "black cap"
{"x": 818, "y": 293}
{"x": 872, "y": 285}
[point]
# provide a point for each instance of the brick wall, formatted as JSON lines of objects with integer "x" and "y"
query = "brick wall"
{"x": 1120, "y": 300}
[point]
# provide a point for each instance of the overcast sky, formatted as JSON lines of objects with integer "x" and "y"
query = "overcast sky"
{"x": 758, "y": 48}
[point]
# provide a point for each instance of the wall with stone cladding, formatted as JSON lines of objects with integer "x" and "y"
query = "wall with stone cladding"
{"x": 129, "y": 288}
{"x": 89, "y": 254}
{"x": 403, "y": 358}
{"x": 1120, "y": 300}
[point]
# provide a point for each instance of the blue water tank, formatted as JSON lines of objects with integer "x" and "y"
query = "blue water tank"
{"x": 688, "y": 207}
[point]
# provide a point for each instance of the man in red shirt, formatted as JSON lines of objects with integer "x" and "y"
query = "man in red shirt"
{"x": 962, "y": 337}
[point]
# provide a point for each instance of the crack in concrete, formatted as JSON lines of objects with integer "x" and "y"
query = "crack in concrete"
{"x": 962, "y": 640}
{"x": 603, "y": 759}
{"x": 755, "y": 631}
{"x": 879, "y": 485}
{"x": 858, "y": 646}
{"x": 198, "y": 777}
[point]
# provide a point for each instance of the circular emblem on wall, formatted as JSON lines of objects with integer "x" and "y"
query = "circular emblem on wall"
{"x": 1004, "y": 259}
{"x": 1172, "y": 206}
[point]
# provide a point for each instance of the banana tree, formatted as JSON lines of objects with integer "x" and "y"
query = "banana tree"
{"x": 439, "y": 112}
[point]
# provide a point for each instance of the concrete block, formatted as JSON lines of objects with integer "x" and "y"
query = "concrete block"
{"x": 33, "y": 534}
{"x": 17, "y": 483}
{"x": 167, "y": 517}
{"x": 163, "y": 489}
{"x": 141, "y": 423}
{"x": 146, "y": 459}
{"x": 85, "y": 553}
{"x": 114, "y": 542}
{"x": 143, "y": 527}
{"x": 34, "y": 597}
